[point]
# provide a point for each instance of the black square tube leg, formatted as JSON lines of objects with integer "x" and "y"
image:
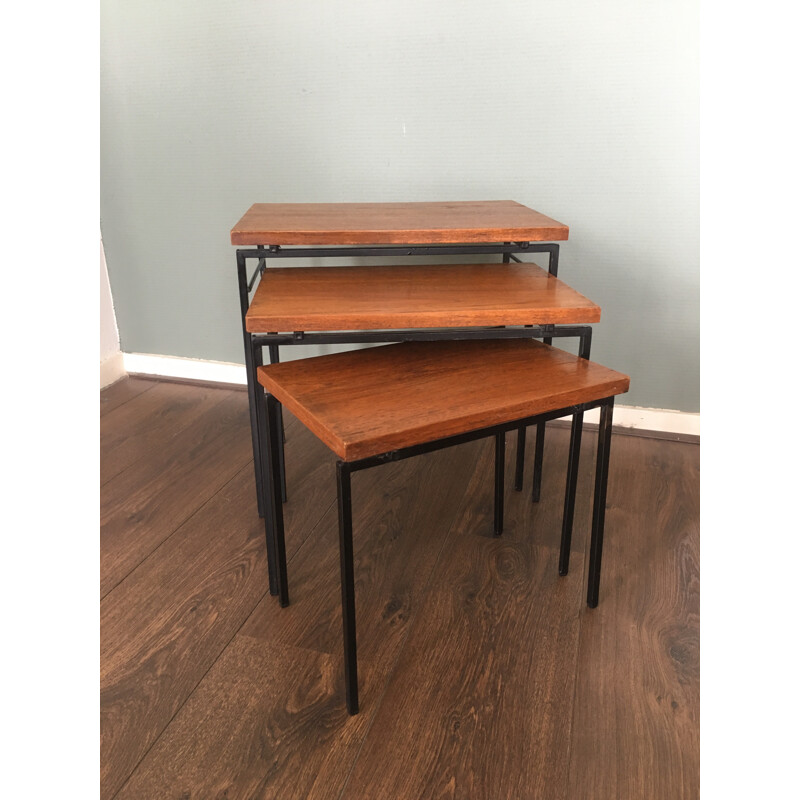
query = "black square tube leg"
{"x": 520, "y": 467}
{"x": 264, "y": 490}
{"x": 538, "y": 459}
{"x": 499, "y": 474}
{"x": 282, "y": 452}
{"x": 274, "y": 358}
{"x": 348, "y": 586}
{"x": 273, "y": 498}
{"x": 569, "y": 495}
{"x": 252, "y": 359}
{"x": 599, "y": 509}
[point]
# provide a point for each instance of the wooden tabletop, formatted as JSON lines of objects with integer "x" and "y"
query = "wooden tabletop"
{"x": 413, "y": 296}
{"x": 366, "y": 402}
{"x": 394, "y": 223}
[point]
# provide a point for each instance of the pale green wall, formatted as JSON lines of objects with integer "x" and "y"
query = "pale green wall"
{"x": 586, "y": 111}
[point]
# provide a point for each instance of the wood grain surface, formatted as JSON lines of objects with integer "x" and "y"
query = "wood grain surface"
{"x": 483, "y": 673}
{"x": 145, "y": 503}
{"x": 136, "y": 430}
{"x": 365, "y": 402}
{"x": 394, "y": 223}
{"x": 413, "y": 296}
{"x": 165, "y": 625}
{"x": 200, "y": 585}
{"x": 637, "y": 694}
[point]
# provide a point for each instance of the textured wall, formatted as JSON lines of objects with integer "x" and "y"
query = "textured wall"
{"x": 585, "y": 111}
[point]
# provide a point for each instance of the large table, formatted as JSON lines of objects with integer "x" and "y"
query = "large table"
{"x": 379, "y": 303}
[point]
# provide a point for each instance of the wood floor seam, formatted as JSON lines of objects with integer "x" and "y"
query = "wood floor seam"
{"x": 310, "y": 533}
{"x": 119, "y": 386}
{"x": 186, "y": 699}
{"x": 173, "y": 433}
{"x": 182, "y": 523}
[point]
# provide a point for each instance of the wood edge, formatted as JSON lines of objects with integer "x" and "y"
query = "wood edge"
{"x": 326, "y": 323}
{"x": 277, "y": 237}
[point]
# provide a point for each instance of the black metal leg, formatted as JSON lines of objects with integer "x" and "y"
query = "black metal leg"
{"x": 274, "y": 358}
{"x": 538, "y": 458}
{"x": 520, "y": 469}
{"x": 569, "y": 497}
{"x": 499, "y": 474}
{"x": 274, "y": 444}
{"x": 252, "y": 384}
{"x": 348, "y": 586}
{"x": 599, "y": 510}
{"x": 264, "y": 487}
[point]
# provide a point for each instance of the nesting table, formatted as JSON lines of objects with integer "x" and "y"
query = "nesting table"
{"x": 489, "y": 309}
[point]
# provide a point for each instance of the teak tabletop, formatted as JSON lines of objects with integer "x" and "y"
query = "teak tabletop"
{"x": 394, "y": 223}
{"x": 413, "y": 296}
{"x": 367, "y": 402}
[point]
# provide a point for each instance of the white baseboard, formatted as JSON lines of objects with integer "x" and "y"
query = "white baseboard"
{"x": 112, "y": 369}
{"x": 661, "y": 420}
{"x": 189, "y": 368}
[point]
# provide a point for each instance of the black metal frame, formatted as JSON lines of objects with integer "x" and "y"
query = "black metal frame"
{"x": 253, "y": 343}
{"x": 274, "y": 520}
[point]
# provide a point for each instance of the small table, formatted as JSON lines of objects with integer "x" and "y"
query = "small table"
{"x": 374, "y": 406}
{"x": 398, "y": 304}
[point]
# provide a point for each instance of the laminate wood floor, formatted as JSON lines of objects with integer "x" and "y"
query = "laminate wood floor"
{"x": 482, "y": 673}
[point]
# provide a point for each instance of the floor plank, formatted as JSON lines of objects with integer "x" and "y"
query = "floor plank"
{"x": 248, "y": 732}
{"x": 122, "y": 391}
{"x": 138, "y": 430}
{"x": 636, "y": 729}
{"x": 166, "y": 624}
{"x": 299, "y": 742}
{"x": 143, "y": 505}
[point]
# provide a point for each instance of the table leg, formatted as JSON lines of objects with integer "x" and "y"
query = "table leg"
{"x": 274, "y": 358}
{"x": 252, "y": 357}
{"x": 272, "y": 500}
{"x": 264, "y": 487}
{"x": 599, "y": 509}
{"x": 348, "y": 586}
{"x": 569, "y": 497}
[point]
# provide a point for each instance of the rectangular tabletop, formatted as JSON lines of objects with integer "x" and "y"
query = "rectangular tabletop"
{"x": 413, "y": 296}
{"x": 367, "y": 402}
{"x": 394, "y": 223}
